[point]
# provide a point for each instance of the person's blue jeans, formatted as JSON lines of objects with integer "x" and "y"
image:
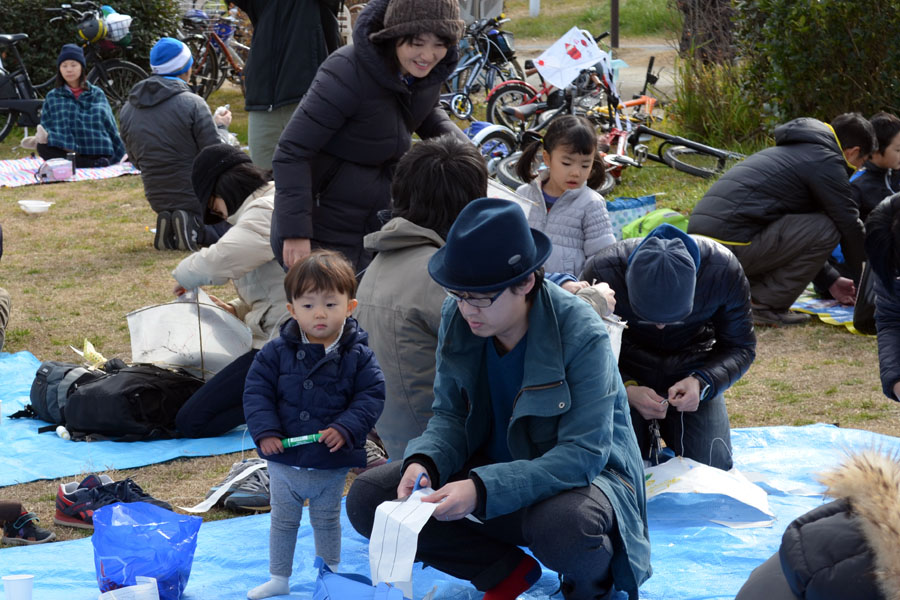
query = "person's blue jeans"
{"x": 704, "y": 435}
{"x": 218, "y": 406}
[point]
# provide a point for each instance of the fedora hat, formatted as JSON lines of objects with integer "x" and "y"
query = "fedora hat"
{"x": 489, "y": 247}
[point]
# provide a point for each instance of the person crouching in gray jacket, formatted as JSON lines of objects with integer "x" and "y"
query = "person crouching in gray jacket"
{"x": 164, "y": 126}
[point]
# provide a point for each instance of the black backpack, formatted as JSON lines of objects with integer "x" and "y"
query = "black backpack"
{"x": 53, "y": 383}
{"x": 122, "y": 403}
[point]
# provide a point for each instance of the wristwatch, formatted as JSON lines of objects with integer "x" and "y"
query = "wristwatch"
{"x": 704, "y": 385}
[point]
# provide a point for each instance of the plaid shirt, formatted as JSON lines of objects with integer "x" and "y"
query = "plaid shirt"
{"x": 85, "y": 125}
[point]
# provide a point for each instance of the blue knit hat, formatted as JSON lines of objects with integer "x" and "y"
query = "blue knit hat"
{"x": 71, "y": 52}
{"x": 489, "y": 247}
{"x": 662, "y": 274}
{"x": 170, "y": 57}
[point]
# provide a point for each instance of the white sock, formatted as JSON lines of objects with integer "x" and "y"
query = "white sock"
{"x": 277, "y": 586}
{"x": 334, "y": 567}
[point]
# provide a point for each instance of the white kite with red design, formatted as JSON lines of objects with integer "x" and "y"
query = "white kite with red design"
{"x": 561, "y": 63}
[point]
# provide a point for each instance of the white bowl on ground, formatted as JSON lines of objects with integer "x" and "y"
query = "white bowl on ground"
{"x": 35, "y": 207}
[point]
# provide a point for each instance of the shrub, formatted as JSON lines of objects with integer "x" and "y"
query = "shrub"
{"x": 821, "y": 58}
{"x": 152, "y": 20}
{"x": 713, "y": 105}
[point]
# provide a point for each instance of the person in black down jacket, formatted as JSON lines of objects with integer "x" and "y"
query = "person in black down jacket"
{"x": 883, "y": 252}
{"x": 689, "y": 337}
{"x": 783, "y": 210}
{"x": 843, "y": 550}
{"x": 334, "y": 161}
{"x": 291, "y": 38}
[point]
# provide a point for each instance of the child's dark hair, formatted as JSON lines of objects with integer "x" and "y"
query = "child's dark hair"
{"x": 853, "y": 129}
{"x": 238, "y": 182}
{"x": 322, "y": 270}
{"x": 886, "y": 127}
{"x": 571, "y": 131}
{"x": 435, "y": 180}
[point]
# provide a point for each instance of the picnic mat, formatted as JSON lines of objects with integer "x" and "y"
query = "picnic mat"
{"x": 20, "y": 171}
{"x": 828, "y": 310}
{"x": 26, "y": 455}
{"x": 691, "y": 561}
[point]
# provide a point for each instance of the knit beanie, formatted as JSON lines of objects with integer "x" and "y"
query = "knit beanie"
{"x": 170, "y": 57}
{"x": 412, "y": 17}
{"x": 208, "y": 166}
{"x": 71, "y": 52}
{"x": 661, "y": 275}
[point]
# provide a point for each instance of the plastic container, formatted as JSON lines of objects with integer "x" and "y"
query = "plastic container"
{"x": 35, "y": 207}
{"x": 18, "y": 587}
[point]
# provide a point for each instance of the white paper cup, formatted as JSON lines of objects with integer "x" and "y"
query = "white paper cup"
{"x": 18, "y": 587}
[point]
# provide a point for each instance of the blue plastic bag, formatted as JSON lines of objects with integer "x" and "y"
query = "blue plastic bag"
{"x": 142, "y": 539}
{"x": 347, "y": 586}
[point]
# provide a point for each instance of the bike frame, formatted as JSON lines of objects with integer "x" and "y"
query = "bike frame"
{"x": 29, "y": 107}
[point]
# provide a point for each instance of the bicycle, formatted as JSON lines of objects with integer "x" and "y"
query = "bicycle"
{"x": 21, "y": 99}
{"x": 217, "y": 55}
{"x": 683, "y": 154}
{"x": 487, "y": 56}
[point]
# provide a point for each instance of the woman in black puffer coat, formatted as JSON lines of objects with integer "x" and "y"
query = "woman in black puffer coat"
{"x": 335, "y": 159}
{"x": 843, "y": 550}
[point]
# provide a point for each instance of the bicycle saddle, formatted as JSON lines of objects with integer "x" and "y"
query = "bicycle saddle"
{"x": 7, "y": 39}
{"x": 524, "y": 111}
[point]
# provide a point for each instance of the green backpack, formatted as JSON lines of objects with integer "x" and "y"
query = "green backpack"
{"x": 647, "y": 223}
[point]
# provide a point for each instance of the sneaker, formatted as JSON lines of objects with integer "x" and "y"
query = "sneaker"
{"x": 376, "y": 456}
{"x": 250, "y": 493}
{"x": 777, "y": 318}
{"x": 128, "y": 491}
{"x": 24, "y": 531}
{"x": 76, "y": 502}
{"x": 162, "y": 240}
{"x": 186, "y": 228}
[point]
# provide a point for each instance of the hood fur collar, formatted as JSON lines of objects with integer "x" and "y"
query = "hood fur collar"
{"x": 870, "y": 481}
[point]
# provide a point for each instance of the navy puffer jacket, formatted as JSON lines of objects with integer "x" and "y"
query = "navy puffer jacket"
{"x": 335, "y": 159}
{"x": 295, "y": 389}
{"x": 804, "y": 173}
{"x": 882, "y": 253}
{"x": 716, "y": 339}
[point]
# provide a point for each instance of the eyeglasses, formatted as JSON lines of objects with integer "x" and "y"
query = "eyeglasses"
{"x": 476, "y": 302}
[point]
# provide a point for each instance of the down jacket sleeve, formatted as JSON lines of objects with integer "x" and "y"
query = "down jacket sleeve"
{"x": 887, "y": 321}
{"x": 832, "y": 189}
{"x": 260, "y": 396}
{"x": 331, "y": 100}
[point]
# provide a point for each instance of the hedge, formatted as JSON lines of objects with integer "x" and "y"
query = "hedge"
{"x": 152, "y": 20}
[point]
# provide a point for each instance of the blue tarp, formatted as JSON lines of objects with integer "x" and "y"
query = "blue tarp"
{"x": 691, "y": 560}
{"x": 27, "y": 456}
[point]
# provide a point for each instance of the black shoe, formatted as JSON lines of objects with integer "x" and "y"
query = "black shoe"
{"x": 187, "y": 230}
{"x": 128, "y": 491}
{"x": 163, "y": 238}
{"x": 24, "y": 531}
{"x": 769, "y": 317}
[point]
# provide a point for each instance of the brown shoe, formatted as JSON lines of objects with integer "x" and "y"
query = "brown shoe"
{"x": 770, "y": 317}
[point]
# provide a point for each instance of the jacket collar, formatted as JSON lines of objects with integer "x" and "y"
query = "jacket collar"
{"x": 543, "y": 176}
{"x": 399, "y": 233}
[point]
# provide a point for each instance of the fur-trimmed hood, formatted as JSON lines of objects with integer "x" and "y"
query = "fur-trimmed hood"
{"x": 870, "y": 483}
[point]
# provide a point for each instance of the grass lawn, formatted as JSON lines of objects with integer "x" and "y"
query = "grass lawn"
{"x": 75, "y": 272}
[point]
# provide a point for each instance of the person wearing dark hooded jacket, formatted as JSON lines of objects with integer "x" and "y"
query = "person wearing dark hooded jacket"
{"x": 783, "y": 210}
{"x": 843, "y": 550}
{"x": 883, "y": 253}
{"x": 689, "y": 337}
{"x": 291, "y": 38}
{"x": 164, "y": 126}
{"x": 335, "y": 160}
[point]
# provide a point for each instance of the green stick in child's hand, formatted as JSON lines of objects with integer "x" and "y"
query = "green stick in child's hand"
{"x": 300, "y": 440}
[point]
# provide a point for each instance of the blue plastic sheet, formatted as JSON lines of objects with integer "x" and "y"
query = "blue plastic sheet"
{"x": 691, "y": 560}
{"x": 26, "y": 455}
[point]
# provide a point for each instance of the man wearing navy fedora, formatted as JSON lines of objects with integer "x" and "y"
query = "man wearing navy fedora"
{"x": 689, "y": 337}
{"x": 531, "y": 432}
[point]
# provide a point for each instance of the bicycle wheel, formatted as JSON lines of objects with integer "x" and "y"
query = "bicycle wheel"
{"x": 510, "y": 94}
{"x": 609, "y": 182}
{"x": 205, "y": 73}
{"x": 8, "y": 117}
{"x": 697, "y": 163}
{"x": 506, "y": 171}
{"x": 120, "y": 77}
{"x": 495, "y": 147}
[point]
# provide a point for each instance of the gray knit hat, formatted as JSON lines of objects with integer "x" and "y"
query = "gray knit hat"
{"x": 412, "y": 17}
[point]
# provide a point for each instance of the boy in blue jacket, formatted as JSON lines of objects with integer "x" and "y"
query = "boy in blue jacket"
{"x": 319, "y": 377}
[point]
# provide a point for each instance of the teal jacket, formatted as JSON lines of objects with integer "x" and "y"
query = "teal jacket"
{"x": 570, "y": 426}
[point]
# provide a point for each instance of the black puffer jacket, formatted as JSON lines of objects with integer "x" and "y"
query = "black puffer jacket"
{"x": 291, "y": 38}
{"x": 843, "y": 550}
{"x": 716, "y": 339}
{"x": 882, "y": 253}
{"x": 335, "y": 159}
{"x": 871, "y": 185}
{"x": 804, "y": 173}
